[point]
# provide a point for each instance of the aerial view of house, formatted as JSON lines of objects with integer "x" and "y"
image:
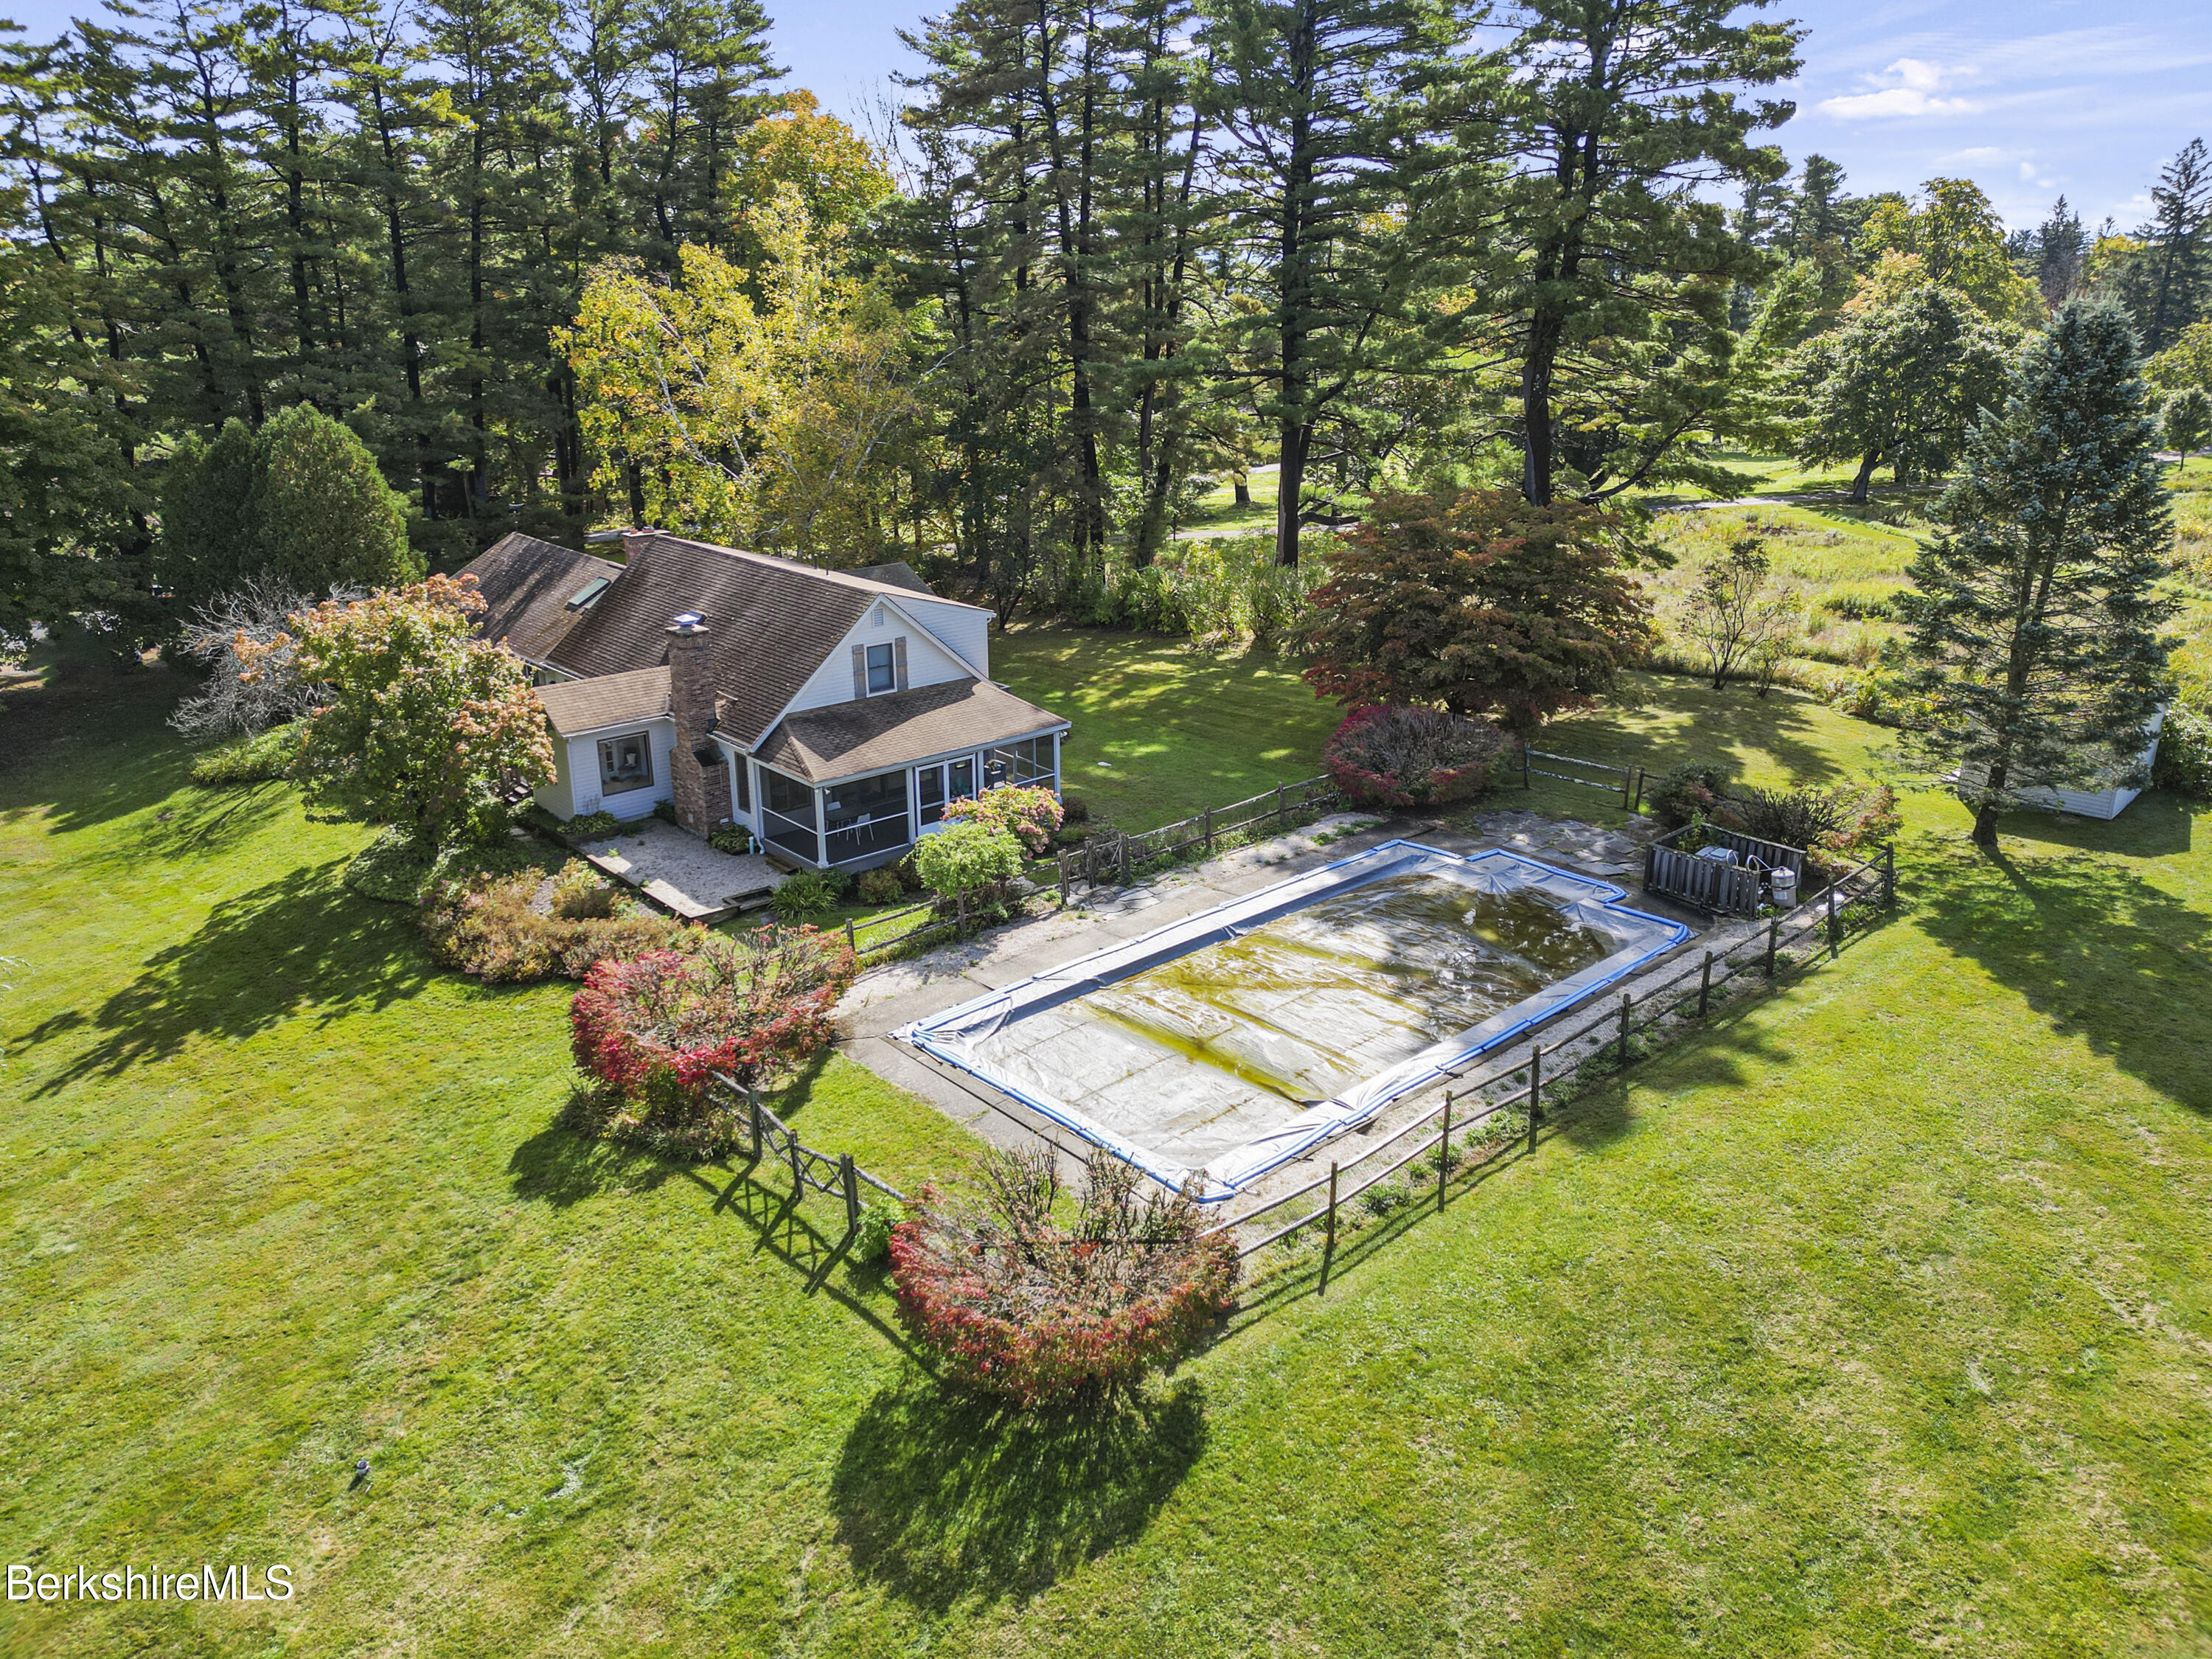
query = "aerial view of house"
{"x": 833, "y": 713}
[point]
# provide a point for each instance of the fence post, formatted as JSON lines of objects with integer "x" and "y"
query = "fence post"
{"x": 1125, "y": 860}
{"x": 851, "y": 1177}
{"x": 1623, "y": 1030}
{"x": 1535, "y": 1092}
{"x": 1624, "y": 789}
{"x": 1328, "y": 1247}
{"x": 1639, "y": 807}
{"x": 1705, "y": 984}
{"x": 1282, "y": 812}
{"x": 1525, "y": 766}
{"x": 753, "y": 1117}
{"x": 1773, "y": 936}
{"x": 1889, "y": 876}
{"x": 798, "y": 1168}
{"x": 852, "y": 939}
{"x": 1063, "y": 878}
{"x": 1209, "y": 832}
{"x": 1835, "y": 924}
{"x": 960, "y": 914}
{"x": 1443, "y": 1154}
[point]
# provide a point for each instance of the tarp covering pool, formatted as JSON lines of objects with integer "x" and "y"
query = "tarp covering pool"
{"x": 1231, "y": 1041}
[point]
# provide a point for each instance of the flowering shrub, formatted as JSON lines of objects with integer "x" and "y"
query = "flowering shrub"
{"x": 1387, "y": 756}
{"x": 1029, "y": 815}
{"x": 1011, "y": 1303}
{"x": 651, "y": 1031}
{"x": 520, "y": 925}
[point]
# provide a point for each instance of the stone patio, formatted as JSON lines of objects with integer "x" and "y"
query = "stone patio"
{"x": 681, "y": 872}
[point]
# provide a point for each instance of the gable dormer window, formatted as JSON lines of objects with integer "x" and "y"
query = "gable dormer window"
{"x": 883, "y": 671}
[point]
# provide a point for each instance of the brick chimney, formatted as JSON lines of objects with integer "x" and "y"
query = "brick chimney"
{"x": 699, "y": 777}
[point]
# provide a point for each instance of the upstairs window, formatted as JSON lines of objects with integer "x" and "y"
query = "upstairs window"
{"x": 883, "y": 670}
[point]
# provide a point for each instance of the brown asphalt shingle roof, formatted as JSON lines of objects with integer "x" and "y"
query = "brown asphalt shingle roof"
{"x": 527, "y": 584}
{"x": 848, "y": 739}
{"x": 771, "y": 622}
{"x": 576, "y": 706}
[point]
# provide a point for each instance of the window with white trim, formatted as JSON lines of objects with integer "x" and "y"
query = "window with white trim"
{"x": 626, "y": 763}
{"x": 883, "y": 670}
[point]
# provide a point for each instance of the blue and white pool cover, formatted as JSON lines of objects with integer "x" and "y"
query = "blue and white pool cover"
{"x": 1224, "y": 1045}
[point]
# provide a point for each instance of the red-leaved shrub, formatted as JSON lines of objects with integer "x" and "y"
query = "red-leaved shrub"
{"x": 1390, "y": 756}
{"x": 1011, "y": 1303}
{"x": 651, "y": 1031}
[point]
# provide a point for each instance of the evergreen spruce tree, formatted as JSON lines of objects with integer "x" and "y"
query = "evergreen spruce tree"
{"x": 2034, "y": 614}
{"x": 320, "y": 513}
{"x": 2061, "y": 246}
{"x": 204, "y": 548}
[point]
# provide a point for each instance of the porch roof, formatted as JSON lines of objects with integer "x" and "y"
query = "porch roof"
{"x": 850, "y": 739}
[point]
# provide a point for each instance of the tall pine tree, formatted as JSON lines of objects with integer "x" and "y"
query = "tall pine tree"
{"x": 2034, "y": 614}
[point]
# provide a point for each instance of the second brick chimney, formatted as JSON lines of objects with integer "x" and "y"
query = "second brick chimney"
{"x": 699, "y": 777}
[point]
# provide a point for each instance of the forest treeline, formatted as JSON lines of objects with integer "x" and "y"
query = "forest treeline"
{"x": 556, "y": 263}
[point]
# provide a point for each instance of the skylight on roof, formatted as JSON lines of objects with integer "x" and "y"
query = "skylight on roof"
{"x": 589, "y": 591}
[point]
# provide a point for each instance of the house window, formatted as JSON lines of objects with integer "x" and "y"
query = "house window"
{"x": 962, "y": 783}
{"x": 625, "y": 763}
{"x": 742, "y": 769}
{"x": 883, "y": 670}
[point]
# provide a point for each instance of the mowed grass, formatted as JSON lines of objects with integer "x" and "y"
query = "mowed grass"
{"x": 1872, "y": 1320}
{"x": 1179, "y": 726}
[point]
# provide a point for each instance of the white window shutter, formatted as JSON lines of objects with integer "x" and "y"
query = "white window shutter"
{"x": 860, "y": 671}
{"x": 898, "y": 661}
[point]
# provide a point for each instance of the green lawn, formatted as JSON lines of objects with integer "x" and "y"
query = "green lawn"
{"x": 1179, "y": 726}
{"x": 1875, "y": 1320}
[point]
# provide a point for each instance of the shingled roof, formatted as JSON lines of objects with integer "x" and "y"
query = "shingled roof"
{"x": 770, "y": 621}
{"x": 575, "y": 705}
{"x": 527, "y": 585}
{"x": 848, "y": 739}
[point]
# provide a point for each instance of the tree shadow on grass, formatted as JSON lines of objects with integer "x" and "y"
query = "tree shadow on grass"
{"x": 2156, "y": 826}
{"x": 298, "y": 944}
{"x": 198, "y": 824}
{"x": 561, "y": 1165}
{"x": 85, "y": 739}
{"x": 2098, "y": 953}
{"x": 944, "y": 1498}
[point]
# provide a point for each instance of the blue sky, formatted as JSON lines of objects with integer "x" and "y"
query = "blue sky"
{"x": 2027, "y": 97}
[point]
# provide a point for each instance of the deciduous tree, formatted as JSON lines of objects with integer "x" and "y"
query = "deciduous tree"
{"x": 423, "y": 725}
{"x": 1899, "y": 381}
{"x": 1485, "y": 604}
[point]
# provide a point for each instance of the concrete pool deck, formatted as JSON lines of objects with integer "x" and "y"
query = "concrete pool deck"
{"x": 899, "y": 993}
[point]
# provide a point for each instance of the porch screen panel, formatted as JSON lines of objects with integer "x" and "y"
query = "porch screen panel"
{"x": 1028, "y": 762}
{"x": 787, "y": 814}
{"x": 866, "y": 816}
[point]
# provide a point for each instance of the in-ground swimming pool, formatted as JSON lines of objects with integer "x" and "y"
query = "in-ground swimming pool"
{"x": 1231, "y": 1041}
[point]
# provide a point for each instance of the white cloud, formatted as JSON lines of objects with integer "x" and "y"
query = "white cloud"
{"x": 1916, "y": 83}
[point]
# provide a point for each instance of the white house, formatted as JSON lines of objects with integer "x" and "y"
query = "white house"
{"x": 833, "y": 713}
